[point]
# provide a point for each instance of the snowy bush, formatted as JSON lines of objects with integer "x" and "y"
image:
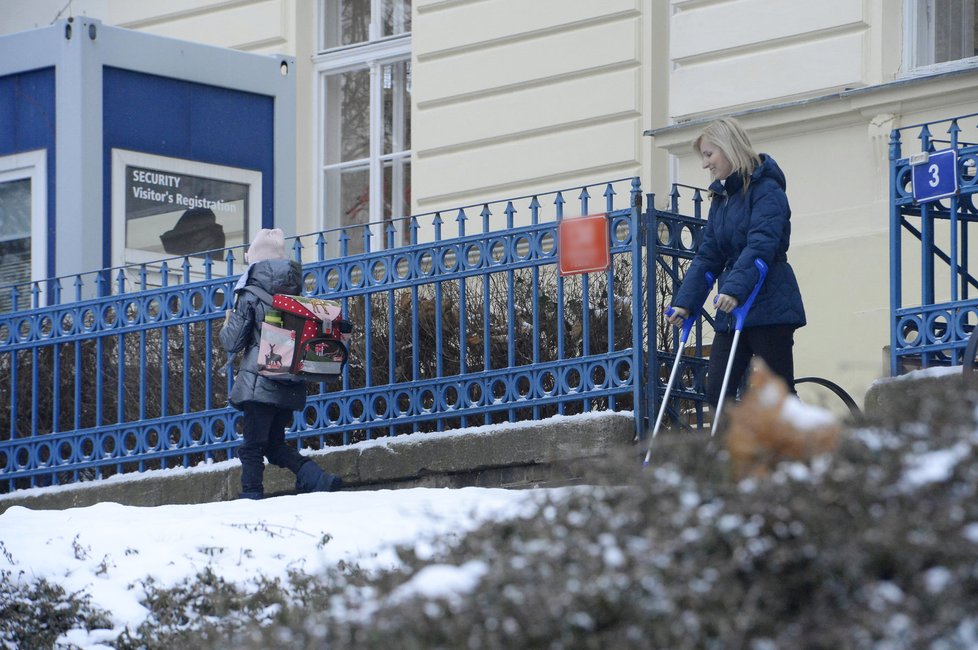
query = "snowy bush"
{"x": 34, "y": 613}
{"x": 872, "y": 547}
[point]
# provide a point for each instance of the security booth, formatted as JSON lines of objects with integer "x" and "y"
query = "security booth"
{"x": 120, "y": 148}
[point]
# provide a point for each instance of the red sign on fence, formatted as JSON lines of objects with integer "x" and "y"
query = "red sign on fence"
{"x": 583, "y": 244}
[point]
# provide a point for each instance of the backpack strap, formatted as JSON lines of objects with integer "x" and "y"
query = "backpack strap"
{"x": 259, "y": 293}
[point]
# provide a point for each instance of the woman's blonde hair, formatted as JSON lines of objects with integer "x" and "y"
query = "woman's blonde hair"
{"x": 727, "y": 135}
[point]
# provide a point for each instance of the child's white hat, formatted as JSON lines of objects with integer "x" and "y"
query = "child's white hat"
{"x": 268, "y": 244}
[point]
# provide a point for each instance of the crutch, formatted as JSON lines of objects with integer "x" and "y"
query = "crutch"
{"x": 687, "y": 326}
{"x": 739, "y": 313}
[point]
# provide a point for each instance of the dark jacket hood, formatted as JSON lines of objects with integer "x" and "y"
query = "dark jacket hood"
{"x": 276, "y": 276}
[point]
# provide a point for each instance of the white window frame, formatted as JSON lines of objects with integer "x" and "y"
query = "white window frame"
{"x": 374, "y": 55}
{"x": 33, "y": 165}
{"x": 912, "y": 37}
{"x": 122, "y": 158}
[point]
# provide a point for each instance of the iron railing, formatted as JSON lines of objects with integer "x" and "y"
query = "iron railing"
{"x": 468, "y": 324}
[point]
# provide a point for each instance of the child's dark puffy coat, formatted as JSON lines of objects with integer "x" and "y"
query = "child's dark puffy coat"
{"x": 242, "y": 331}
{"x": 741, "y": 227}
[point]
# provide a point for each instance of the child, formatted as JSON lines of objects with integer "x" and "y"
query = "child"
{"x": 268, "y": 404}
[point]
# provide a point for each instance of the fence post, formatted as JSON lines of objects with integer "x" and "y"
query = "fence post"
{"x": 652, "y": 352}
{"x": 639, "y": 311}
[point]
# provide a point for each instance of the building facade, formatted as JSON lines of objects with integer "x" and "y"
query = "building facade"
{"x": 413, "y": 106}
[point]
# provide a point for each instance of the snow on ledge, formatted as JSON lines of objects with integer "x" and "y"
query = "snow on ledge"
{"x": 924, "y": 373}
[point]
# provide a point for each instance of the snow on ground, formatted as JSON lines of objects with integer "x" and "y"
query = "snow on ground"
{"x": 108, "y": 550}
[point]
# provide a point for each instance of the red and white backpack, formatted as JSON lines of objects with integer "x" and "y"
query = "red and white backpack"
{"x": 302, "y": 338}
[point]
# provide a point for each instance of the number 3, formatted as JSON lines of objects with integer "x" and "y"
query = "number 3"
{"x": 935, "y": 177}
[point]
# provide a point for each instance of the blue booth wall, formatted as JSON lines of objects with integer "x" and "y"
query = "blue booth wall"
{"x": 27, "y": 123}
{"x": 182, "y": 119}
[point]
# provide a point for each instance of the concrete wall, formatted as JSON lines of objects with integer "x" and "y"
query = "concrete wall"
{"x": 556, "y": 451}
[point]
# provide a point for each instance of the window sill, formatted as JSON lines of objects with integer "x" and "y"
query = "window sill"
{"x": 939, "y": 68}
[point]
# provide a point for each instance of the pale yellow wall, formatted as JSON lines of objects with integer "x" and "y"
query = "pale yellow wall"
{"x": 513, "y": 97}
{"x": 734, "y": 55}
{"x": 264, "y": 26}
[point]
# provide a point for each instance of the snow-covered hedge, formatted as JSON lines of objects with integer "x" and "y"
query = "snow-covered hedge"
{"x": 875, "y": 546}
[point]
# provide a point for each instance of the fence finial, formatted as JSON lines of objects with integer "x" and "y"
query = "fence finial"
{"x": 486, "y": 213}
{"x": 509, "y": 211}
{"x": 534, "y": 210}
{"x": 297, "y": 249}
{"x": 320, "y": 247}
{"x": 460, "y": 219}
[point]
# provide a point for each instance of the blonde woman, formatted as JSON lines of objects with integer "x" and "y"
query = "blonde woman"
{"x": 749, "y": 218}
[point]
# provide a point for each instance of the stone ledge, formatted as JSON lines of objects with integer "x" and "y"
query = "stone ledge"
{"x": 936, "y": 397}
{"x": 522, "y": 454}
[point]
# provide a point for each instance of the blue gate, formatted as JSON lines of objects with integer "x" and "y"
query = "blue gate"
{"x": 467, "y": 322}
{"x": 676, "y": 236}
{"x": 929, "y": 244}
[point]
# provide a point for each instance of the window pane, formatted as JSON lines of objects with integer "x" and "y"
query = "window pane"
{"x": 397, "y": 106}
{"x": 347, "y": 195}
{"x": 347, "y": 116}
{"x": 181, "y": 214}
{"x": 15, "y": 238}
{"x": 397, "y": 17}
{"x": 397, "y": 196}
{"x": 347, "y": 22}
{"x": 15, "y": 209}
{"x": 15, "y": 268}
{"x": 953, "y": 29}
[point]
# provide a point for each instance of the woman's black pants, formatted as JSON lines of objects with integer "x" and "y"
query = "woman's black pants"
{"x": 772, "y": 343}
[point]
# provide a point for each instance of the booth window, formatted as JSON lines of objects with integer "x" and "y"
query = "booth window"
{"x": 22, "y": 226}
{"x": 940, "y": 34}
{"x": 364, "y": 73}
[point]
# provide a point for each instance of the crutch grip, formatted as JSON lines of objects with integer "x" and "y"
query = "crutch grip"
{"x": 687, "y": 324}
{"x": 740, "y": 313}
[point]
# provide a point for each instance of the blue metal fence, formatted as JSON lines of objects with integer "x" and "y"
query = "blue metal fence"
{"x": 929, "y": 247}
{"x": 676, "y": 234}
{"x": 469, "y": 323}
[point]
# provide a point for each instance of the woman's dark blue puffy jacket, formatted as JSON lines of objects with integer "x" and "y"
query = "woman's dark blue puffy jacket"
{"x": 741, "y": 227}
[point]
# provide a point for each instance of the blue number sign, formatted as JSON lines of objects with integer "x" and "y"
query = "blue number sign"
{"x": 935, "y": 176}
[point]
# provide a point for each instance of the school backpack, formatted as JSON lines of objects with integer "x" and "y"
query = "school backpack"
{"x": 302, "y": 338}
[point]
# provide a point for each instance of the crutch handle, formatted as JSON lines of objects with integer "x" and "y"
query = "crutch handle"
{"x": 740, "y": 313}
{"x": 687, "y": 324}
